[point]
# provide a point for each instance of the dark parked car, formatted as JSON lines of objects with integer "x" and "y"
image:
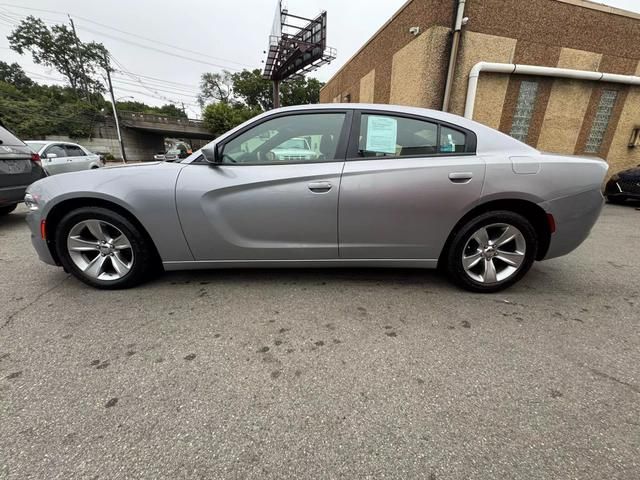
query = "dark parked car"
{"x": 624, "y": 186}
{"x": 180, "y": 152}
{"x": 19, "y": 168}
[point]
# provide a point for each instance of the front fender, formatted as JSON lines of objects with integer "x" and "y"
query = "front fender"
{"x": 146, "y": 192}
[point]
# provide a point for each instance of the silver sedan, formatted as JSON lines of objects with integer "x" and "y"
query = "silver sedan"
{"x": 387, "y": 187}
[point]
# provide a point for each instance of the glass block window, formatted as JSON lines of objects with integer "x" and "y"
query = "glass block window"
{"x": 524, "y": 110}
{"x": 601, "y": 121}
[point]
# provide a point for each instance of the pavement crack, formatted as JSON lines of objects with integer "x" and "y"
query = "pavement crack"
{"x": 11, "y": 316}
{"x": 601, "y": 374}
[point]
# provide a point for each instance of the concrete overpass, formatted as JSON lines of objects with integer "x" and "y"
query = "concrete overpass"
{"x": 164, "y": 125}
{"x": 143, "y": 135}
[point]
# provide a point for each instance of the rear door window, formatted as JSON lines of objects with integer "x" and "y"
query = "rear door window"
{"x": 452, "y": 141}
{"x": 74, "y": 151}
{"x": 390, "y": 136}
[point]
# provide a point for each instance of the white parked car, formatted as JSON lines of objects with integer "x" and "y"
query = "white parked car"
{"x": 62, "y": 157}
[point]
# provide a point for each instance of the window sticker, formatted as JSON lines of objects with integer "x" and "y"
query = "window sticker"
{"x": 382, "y": 134}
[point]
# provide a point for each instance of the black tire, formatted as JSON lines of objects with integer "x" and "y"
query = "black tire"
{"x": 144, "y": 257}
{"x": 7, "y": 209}
{"x": 453, "y": 256}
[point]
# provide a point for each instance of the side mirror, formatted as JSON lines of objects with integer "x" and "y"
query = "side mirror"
{"x": 52, "y": 155}
{"x": 212, "y": 154}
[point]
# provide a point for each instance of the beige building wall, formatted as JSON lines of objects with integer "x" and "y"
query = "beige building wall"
{"x": 367, "y": 87}
{"x": 620, "y": 156}
{"x": 568, "y": 103}
{"x": 418, "y": 70}
{"x": 480, "y": 47}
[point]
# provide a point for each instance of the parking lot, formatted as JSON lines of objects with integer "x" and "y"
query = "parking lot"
{"x": 324, "y": 373}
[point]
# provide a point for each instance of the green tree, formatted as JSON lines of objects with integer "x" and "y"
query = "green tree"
{"x": 58, "y": 47}
{"x": 40, "y": 110}
{"x": 171, "y": 110}
{"x": 140, "y": 107}
{"x": 253, "y": 89}
{"x": 215, "y": 88}
{"x": 14, "y": 75}
{"x": 300, "y": 91}
{"x": 257, "y": 92}
{"x": 221, "y": 117}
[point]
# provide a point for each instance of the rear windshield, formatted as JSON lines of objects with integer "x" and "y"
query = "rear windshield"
{"x": 7, "y": 138}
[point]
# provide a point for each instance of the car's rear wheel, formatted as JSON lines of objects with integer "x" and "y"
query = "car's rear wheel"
{"x": 7, "y": 209}
{"x": 492, "y": 251}
{"x": 103, "y": 248}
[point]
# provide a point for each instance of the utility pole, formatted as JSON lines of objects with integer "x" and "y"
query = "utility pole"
{"x": 79, "y": 60}
{"x": 115, "y": 110}
{"x": 276, "y": 94}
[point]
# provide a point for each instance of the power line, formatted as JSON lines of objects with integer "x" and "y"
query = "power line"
{"x": 33, "y": 9}
{"x": 160, "y": 89}
{"x": 118, "y": 39}
{"x": 159, "y": 79}
{"x": 121, "y": 89}
{"x": 143, "y": 38}
{"x": 138, "y": 80}
{"x": 171, "y": 92}
{"x": 161, "y": 83}
{"x": 16, "y": 17}
{"x": 60, "y": 80}
{"x": 163, "y": 43}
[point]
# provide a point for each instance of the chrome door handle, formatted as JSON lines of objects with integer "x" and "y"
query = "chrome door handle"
{"x": 319, "y": 187}
{"x": 460, "y": 177}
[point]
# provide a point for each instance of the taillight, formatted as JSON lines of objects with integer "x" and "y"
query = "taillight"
{"x": 43, "y": 229}
{"x": 35, "y": 158}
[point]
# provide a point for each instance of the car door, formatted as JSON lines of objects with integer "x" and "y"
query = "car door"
{"x": 256, "y": 205}
{"x": 406, "y": 183}
{"x": 76, "y": 158}
{"x": 59, "y": 162}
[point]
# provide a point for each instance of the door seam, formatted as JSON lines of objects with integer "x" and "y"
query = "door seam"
{"x": 338, "y": 210}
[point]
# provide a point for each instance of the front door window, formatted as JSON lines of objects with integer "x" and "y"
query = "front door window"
{"x": 288, "y": 139}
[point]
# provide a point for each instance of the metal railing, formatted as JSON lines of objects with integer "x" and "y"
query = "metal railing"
{"x": 156, "y": 118}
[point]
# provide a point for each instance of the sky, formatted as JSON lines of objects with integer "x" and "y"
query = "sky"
{"x": 150, "y": 38}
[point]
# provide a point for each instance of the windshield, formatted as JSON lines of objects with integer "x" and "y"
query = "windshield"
{"x": 35, "y": 146}
{"x": 295, "y": 144}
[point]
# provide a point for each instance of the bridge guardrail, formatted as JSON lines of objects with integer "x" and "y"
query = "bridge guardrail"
{"x": 155, "y": 118}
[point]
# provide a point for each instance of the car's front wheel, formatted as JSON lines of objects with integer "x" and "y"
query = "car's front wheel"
{"x": 492, "y": 251}
{"x": 103, "y": 248}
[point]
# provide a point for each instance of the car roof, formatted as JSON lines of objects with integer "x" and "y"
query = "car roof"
{"x": 50, "y": 142}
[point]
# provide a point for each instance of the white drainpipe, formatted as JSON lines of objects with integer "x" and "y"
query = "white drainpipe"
{"x": 512, "y": 68}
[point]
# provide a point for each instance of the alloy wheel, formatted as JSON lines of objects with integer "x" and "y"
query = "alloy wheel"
{"x": 494, "y": 253}
{"x": 100, "y": 250}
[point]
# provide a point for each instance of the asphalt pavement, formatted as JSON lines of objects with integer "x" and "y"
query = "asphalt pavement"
{"x": 324, "y": 373}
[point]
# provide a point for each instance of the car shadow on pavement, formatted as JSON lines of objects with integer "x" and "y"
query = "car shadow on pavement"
{"x": 13, "y": 219}
{"x": 628, "y": 204}
{"x": 308, "y": 276}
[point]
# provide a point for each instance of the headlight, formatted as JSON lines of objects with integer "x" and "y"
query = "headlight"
{"x": 31, "y": 201}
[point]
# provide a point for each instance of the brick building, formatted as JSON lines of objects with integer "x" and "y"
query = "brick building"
{"x": 413, "y": 60}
